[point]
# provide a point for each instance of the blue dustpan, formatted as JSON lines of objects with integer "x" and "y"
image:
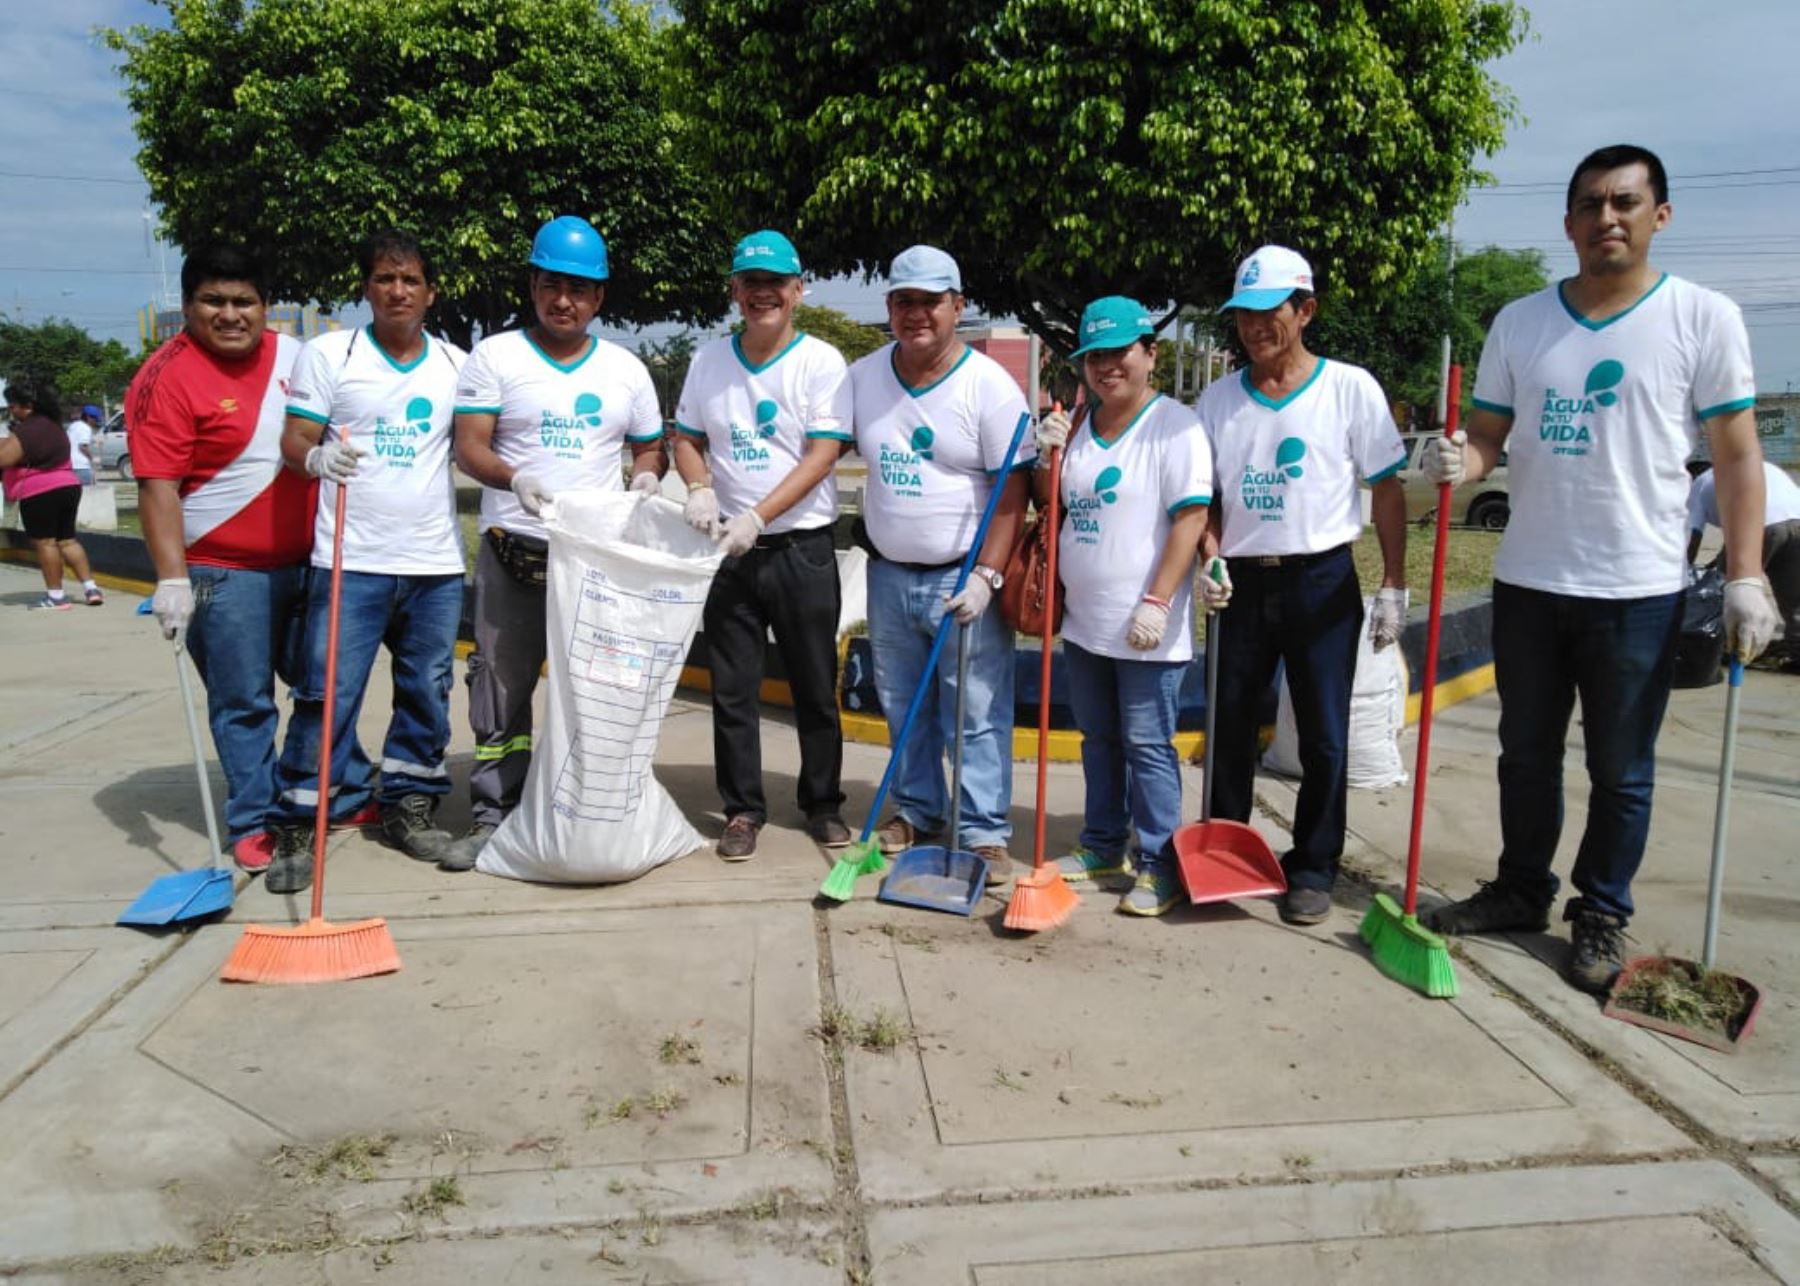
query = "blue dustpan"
{"x": 932, "y": 876}
{"x": 182, "y": 895}
{"x": 187, "y": 895}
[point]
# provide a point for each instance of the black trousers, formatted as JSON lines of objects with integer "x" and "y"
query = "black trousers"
{"x": 792, "y": 589}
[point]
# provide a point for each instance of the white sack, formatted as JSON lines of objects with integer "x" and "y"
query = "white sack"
{"x": 1377, "y": 715}
{"x": 627, "y": 580}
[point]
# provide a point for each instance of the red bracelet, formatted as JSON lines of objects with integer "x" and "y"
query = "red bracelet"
{"x": 1160, "y": 602}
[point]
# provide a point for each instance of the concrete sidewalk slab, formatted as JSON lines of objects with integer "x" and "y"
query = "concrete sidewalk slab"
{"x": 1661, "y": 1224}
{"x": 1207, "y": 1046}
{"x": 524, "y": 1055}
{"x": 1784, "y": 1171}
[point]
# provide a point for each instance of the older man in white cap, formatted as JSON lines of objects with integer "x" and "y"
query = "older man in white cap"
{"x": 934, "y": 420}
{"x": 1292, "y": 435}
{"x": 764, "y": 415}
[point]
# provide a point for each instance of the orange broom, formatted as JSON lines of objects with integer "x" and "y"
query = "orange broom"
{"x": 1042, "y": 899}
{"x": 317, "y": 951}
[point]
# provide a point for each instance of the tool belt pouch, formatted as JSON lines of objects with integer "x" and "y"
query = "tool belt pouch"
{"x": 526, "y": 558}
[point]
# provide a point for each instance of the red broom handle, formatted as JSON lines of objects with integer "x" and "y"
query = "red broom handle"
{"x": 1428, "y": 683}
{"x": 327, "y": 733}
{"x": 1043, "y": 764}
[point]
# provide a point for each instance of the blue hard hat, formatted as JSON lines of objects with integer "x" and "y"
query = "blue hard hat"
{"x": 569, "y": 245}
{"x": 91, "y": 410}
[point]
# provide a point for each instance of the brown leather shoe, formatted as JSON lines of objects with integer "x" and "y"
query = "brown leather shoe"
{"x": 999, "y": 864}
{"x": 896, "y": 835}
{"x": 738, "y": 843}
{"x": 827, "y": 830}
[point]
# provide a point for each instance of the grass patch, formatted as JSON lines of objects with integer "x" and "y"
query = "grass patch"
{"x": 1468, "y": 560}
{"x": 880, "y": 1033}
{"x": 678, "y": 1049}
{"x": 1676, "y": 992}
{"x": 434, "y": 1198}
{"x": 354, "y": 1156}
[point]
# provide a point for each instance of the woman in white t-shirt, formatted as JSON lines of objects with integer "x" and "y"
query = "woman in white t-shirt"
{"x": 1136, "y": 482}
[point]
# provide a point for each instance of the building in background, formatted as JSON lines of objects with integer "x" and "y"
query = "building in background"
{"x": 302, "y": 321}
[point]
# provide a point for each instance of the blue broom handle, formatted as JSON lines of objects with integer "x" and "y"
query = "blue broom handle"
{"x": 943, "y": 630}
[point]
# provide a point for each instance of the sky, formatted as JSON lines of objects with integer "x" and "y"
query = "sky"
{"x": 1711, "y": 88}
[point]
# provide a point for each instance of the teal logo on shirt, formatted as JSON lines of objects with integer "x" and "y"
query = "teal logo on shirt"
{"x": 1568, "y": 422}
{"x": 1105, "y": 484}
{"x": 922, "y": 439}
{"x": 766, "y": 411}
{"x": 397, "y": 441}
{"x": 1265, "y": 490}
{"x": 900, "y": 469}
{"x": 566, "y": 435}
{"x": 1085, "y": 511}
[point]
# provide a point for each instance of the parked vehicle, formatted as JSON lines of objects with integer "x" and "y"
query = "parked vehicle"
{"x": 110, "y": 451}
{"x": 1481, "y": 504}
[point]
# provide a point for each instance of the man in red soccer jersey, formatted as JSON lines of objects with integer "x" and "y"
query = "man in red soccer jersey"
{"x": 228, "y": 528}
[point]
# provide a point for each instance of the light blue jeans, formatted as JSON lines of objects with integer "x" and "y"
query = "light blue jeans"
{"x": 905, "y": 607}
{"x": 1125, "y": 711}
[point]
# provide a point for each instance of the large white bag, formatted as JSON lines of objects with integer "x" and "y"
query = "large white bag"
{"x": 1377, "y": 716}
{"x": 627, "y": 581}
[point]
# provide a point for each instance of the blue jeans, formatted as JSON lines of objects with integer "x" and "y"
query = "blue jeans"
{"x": 416, "y": 617}
{"x": 1307, "y": 615}
{"x": 246, "y": 630}
{"x": 1617, "y": 655}
{"x": 1125, "y": 711}
{"x": 905, "y": 607}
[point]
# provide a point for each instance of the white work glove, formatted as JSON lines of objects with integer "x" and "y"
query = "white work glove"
{"x": 333, "y": 461}
{"x": 1148, "y": 620}
{"x": 737, "y": 536}
{"x": 1388, "y": 618}
{"x": 702, "y": 510}
{"x": 173, "y": 606}
{"x": 1215, "y": 586}
{"x": 1751, "y": 622}
{"x": 971, "y": 602}
{"x": 1053, "y": 432}
{"x": 1446, "y": 459}
{"x": 647, "y": 482}
{"x": 531, "y": 491}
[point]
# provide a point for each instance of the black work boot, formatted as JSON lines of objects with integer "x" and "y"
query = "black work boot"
{"x": 291, "y": 869}
{"x": 461, "y": 854}
{"x": 407, "y": 824}
{"x": 1495, "y": 907}
{"x": 1596, "y": 949}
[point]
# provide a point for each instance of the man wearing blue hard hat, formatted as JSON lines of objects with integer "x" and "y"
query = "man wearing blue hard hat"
{"x": 763, "y": 417}
{"x": 934, "y": 420}
{"x": 81, "y": 443}
{"x": 538, "y": 410}
{"x": 1292, "y": 435}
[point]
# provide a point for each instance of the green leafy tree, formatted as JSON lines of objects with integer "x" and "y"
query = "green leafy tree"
{"x": 81, "y": 368}
{"x": 668, "y": 361}
{"x": 297, "y": 126}
{"x": 1065, "y": 149}
{"x": 851, "y": 338}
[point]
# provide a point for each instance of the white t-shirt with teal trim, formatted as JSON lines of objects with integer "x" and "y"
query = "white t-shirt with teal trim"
{"x": 932, "y": 453}
{"x": 757, "y": 420}
{"x": 1288, "y": 469}
{"x": 1604, "y": 418}
{"x": 1118, "y": 499}
{"x": 567, "y": 422}
{"x": 1781, "y": 500}
{"x": 400, "y": 514}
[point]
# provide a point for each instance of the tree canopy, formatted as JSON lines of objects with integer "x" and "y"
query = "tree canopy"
{"x": 81, "y": 368}
{"x": 297, "y": 126}
{"x": 1065, "y": 149}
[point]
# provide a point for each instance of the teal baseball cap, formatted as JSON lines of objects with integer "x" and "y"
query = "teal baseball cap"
{"x": 766, "y": 251}
{"x": 1113, "y": 322}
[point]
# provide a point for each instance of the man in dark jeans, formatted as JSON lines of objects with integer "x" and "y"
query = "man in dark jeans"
{"x": 1611, "y": 375}
{"x": 763, "y": 417}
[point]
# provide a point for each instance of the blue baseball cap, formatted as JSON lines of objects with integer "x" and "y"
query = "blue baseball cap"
{"x": 1268, "y": 277}
{"x": 1113, "y": 322}
{"x": 924, "y": 268}
{"x": 766, "y": 251}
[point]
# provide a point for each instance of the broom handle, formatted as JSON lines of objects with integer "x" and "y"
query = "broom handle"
{"x": 1715, "y": 880}
{"x": 1043, "y": 756}
{"x": 322, "y": 822}
{"x": 193, "y": 727}
{"x": 1428, "y": 682}
{"x": 943, "y": 631}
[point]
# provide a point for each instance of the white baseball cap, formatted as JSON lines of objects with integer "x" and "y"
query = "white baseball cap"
{"x": 924, "y": 268}
{"x": 1268, "y": 277}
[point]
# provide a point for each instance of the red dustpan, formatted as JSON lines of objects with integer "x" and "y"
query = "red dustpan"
{"x": 1222, "y": 861}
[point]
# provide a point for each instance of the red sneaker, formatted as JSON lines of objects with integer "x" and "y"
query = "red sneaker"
{"x": 253, "y": 853}
{"x": 368, "y": 815}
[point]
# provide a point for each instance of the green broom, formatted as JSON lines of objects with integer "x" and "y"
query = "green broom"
{"x": 1404, "y": 949}
{"x": 864, "y": 857}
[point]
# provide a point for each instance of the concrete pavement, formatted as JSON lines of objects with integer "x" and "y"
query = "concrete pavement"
{"x": 702, "y": 1076}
